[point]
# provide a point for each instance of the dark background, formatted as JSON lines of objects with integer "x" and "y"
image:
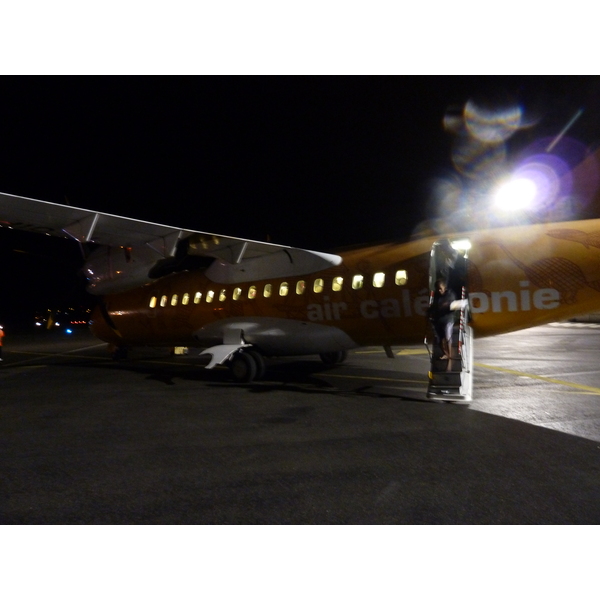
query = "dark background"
{"x": 315, "y": 162}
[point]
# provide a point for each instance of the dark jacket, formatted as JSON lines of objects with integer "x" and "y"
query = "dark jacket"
{"x": 440, "y": 311}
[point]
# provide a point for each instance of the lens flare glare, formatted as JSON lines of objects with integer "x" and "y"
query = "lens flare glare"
{"x": 516, "y": 194}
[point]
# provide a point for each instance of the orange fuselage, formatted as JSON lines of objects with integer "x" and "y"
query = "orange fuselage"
{"x": 518, "y": 277}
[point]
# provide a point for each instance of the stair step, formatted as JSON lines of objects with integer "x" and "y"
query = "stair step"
{"x": 446, "y": 379}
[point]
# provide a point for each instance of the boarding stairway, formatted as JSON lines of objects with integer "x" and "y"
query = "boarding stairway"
{"x": 452, "y": 379}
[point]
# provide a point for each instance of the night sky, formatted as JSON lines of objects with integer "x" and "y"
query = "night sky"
{"x": 314, "y": 162}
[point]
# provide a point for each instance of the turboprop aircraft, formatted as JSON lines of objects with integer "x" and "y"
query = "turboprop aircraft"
{"x": 241, "y": 300}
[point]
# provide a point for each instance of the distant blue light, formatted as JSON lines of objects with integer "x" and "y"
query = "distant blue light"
{"x": 68, "y": 331}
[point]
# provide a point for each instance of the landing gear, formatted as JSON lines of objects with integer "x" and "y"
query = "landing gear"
{"x": 246, "y": 366}
{"x": 333, "y": 358}
{"x": 260, "y": 363}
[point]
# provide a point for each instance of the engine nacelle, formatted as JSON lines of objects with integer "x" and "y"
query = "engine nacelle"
{"x": 115, "y": 269}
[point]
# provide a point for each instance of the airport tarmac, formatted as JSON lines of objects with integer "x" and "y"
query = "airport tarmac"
{"x": 156, "y": 439}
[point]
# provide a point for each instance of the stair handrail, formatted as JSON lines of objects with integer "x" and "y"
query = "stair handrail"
{"x": 461, "y": 329}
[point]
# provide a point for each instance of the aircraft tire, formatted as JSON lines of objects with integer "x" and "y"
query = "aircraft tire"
{"x": 243, "y": 367}
{"x": 260, "y": 362}
{"x": 333, "y": 358}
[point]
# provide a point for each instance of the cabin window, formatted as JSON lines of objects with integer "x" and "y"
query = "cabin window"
{"x": 252, "y": 292}
{"x": 401, "y": 277}
{"x": 300, "y": 288}
{"x": 197, "y": 297}
{"x": 284, "y": 288}
{"x": 357, "y": 282}
{"x": 210, "y": 296}
{"x": 268, "y": 290}
{"x": 237, "y": 293}
{"x": 337, "y": 284}
{"x": 174, "y": 300}
{"x": 185, "y": 300}
{"x": 153, "y": 302}
{"x": 163, "y": 301}
{"x": 378, "y": 280}
{"x": 318, "y": 286}
{"x": 222, "y": 295}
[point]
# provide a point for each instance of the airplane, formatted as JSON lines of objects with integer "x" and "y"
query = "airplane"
{"x": 242, "y": 300}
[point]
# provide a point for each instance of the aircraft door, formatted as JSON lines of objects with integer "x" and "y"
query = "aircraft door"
{"x": 449, "y": 263}
{"x": 450, "y": 376}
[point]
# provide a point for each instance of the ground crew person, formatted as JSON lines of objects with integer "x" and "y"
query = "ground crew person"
{"x": 1, "y": 336}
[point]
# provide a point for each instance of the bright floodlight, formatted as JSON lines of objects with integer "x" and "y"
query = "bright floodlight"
{"x": 515, "y": 194}
{"x": 461, "y": 244}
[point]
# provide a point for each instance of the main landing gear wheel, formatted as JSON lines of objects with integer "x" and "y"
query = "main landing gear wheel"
{"x": 260, "y": 363}
{"x": 247, "y": 366}
{"x": 333, "y": 358}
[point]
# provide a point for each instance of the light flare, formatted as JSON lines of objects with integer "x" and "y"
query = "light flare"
{"x": 517, "y": 193}
{"x": 492, "y": 126}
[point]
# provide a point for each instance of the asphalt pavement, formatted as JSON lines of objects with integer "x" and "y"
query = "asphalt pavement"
{"x": 157, "y": 439}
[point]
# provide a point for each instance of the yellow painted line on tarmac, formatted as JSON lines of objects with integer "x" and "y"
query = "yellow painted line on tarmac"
{"x": 366, "y": 377}
{"x": 578, "y": 386}
{"x": 405, "y": 352}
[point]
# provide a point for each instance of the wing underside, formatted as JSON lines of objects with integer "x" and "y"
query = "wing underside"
{"x": 103, "y": 229}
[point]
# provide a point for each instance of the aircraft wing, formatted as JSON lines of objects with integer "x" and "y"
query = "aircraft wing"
{"x": 104, "y": 229}
{"x": 79, "y": 224}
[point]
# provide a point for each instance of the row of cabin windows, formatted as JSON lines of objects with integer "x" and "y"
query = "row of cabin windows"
{"x": 337, "y": 283}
